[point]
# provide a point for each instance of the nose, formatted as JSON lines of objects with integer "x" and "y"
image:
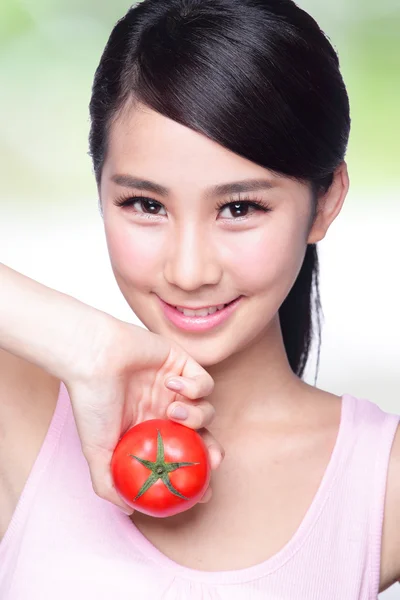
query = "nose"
{"x": 191, "y": 261}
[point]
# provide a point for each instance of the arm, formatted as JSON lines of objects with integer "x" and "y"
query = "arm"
{"x": 42, "y": 325}
{"x": 116, "y": 373}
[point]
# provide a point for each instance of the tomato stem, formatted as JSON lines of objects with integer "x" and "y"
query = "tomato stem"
{"x": 160, "y": 470}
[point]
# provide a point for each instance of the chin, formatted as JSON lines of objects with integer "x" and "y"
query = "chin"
{"x": 208, "y": 348}
{"x": 207, "y": 352}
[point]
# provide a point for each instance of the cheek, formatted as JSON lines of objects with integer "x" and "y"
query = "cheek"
{"x": 267, "y": 257}
{"x": 135, "y": 252}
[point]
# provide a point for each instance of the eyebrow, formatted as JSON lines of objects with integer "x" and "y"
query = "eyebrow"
{"x": 245, "y": 185}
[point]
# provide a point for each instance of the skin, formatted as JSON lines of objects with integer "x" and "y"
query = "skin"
{"x": 191, "y": 253}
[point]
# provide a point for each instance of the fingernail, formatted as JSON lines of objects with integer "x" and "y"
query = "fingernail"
{"x": 127, "y": 511}
{"x": 180, "y": 412}
{"x": 174, "y": 384}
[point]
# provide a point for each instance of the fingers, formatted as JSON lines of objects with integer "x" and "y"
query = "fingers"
{"x": 194, "y": 387}
{"x": 192, "y": 414}
{"x": 99, "y": 465}
{"x": 196, "y": 415}
{"x": 207, "y": 496}
{"x": 216, "y": 455}
{"x": 216, "y": 452}
{"x": 193, "y": 371}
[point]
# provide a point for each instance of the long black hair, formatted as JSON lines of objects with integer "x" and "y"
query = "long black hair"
{"x": 257, "y": 76}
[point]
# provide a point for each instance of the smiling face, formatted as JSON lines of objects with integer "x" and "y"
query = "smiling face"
{"x": 182, "y": 241}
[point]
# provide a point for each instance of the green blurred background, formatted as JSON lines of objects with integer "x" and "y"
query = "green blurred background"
{"x": 49, "y": 50}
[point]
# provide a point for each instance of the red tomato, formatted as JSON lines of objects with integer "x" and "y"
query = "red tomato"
{"x": 160, "y": 467}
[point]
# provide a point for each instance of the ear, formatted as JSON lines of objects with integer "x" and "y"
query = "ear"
{"x": 330, "y": 204}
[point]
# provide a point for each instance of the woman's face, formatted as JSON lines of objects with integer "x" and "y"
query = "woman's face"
{"x": 176, "y": 244}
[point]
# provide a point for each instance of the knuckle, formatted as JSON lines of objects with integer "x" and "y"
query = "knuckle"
{"x": 209, "y": 412}
{"x": 200, "y": 419}
{"x": 203, "y": 386}
{"x": 99, "y": 489}
{"x": 196, "y": 418}
{"x": 216, "y": 447}
{"x": 206, "y": 413}
{"x": 207, "y": 386}
{"x": 89, "y": 457}
{"x": 212, "y": 410}
{"x": 211, "y": 385}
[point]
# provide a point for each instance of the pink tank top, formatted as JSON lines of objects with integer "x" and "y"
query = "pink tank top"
{"x": 66, "y": 543}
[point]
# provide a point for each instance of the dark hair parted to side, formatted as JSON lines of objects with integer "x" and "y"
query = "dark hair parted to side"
{"x": 260, "y": 78}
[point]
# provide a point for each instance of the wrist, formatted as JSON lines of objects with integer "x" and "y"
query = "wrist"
{"x": 84, "y": 342}
{"x": 48, "y": 328}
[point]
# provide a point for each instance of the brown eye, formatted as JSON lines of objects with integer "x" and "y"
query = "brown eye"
{"x": 239, "y": 209}
{"x": 142, "y": 205}
{"x": 149, "y": 206}
{"x": 242, "y": 208}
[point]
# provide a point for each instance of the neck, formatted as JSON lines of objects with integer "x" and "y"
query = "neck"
{"x": 256, "y": 383}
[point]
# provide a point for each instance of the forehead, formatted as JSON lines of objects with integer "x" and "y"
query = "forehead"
{"x": 153, "y": 147}
{"x": 143, "y": 141}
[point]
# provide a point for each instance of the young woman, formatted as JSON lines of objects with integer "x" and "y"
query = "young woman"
{"x": 219, "y": 131}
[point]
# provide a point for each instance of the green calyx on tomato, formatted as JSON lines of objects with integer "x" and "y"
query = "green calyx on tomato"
{"x": 161, "y": 469}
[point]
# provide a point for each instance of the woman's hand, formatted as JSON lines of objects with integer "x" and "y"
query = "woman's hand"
{"x": 125, "y": 382}
{"x": 115, "y": 372}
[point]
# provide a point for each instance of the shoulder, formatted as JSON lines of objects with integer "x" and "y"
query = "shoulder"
{"x": 390, "y": 562}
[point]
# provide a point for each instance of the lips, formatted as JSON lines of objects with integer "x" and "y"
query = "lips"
{"x": 197, "y": 323}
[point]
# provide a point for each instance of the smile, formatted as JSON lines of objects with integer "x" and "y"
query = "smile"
{"x": 199, "y": 320}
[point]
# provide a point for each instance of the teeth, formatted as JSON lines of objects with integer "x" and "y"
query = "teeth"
{"x": 200, "y": 313}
